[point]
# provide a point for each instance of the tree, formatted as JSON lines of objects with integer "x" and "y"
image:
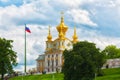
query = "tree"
{"x": 7, "y": 57}
{"x": 112, "y": 52}
{"x": 82, "y": 62}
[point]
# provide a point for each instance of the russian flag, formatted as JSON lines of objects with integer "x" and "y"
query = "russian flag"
{"x": 27, "y": 29}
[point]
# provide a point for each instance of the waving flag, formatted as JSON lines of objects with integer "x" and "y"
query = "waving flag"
{"x": 27, "y": 29}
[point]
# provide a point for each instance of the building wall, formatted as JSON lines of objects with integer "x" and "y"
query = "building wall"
{"x": 53, "y": 54}
{"x": 53, "y": 62}
{"x": 112, "y": 63}
{"x": 40, "y": 66}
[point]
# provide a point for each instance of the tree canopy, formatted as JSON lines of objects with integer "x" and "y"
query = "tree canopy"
{"x": 82, "y": 62}
{"x": 7, "y": 56}
{"x": 112, "y": 52}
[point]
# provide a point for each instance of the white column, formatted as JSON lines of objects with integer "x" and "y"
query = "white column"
{"x": 60, "y": 61}
{"x": 50, "y": 63}
{"x": 54, "y": 62}
{"x": 46, "y": 63}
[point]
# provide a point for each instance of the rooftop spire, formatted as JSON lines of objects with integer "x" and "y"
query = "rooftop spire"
{"x": 75, "y": 38}
{"x": 62, "y": 17}
{"x": 49, "y": 37}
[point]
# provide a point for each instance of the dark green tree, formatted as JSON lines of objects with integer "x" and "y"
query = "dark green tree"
{"x": 7, "y": 57}
{"x": 112, "y": 52}
{"x": 82, "y": 62}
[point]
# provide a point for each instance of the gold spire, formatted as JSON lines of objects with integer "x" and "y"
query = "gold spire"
{"x": 62, "y": 17}
{"x": 62, "y": 28}
{"x": 49, "y": 37}
{"x": 75, "y": 38}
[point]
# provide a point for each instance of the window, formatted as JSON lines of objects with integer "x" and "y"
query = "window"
{"x": 47, "y": 45}
{"x": 48, "y": 63}
{"x": 56, "y": 55}
{"x": 59, "y": 43}
{"x": 52, "y": 62}
{"x": 52, "y": 65}
{"x": 63, "y": 43}
{"x": 48, "y": 69}
{"x": 56, "y": 62}
{"x": 52, "y": 55}
{"x": 39, "y": 64}
{"x": 54, "y": 45}
{"x": 56, "y": 59}
{"x": 48, "y": 56}
{"x": 42, "y": 64}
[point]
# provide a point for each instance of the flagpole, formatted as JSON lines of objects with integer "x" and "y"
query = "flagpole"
{"x": 25, "y": 50}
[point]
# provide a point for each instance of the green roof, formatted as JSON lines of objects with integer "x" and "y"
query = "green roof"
{"x": 41, "y": 57}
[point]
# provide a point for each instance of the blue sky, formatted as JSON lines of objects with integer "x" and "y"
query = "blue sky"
{"x": 96, "y": 21}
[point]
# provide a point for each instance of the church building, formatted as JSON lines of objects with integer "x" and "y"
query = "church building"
{"x": 52, "y": 59}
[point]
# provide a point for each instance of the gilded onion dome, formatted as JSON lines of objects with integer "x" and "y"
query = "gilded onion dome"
{"x": 49, "y": 37}
{"x": 62, "y": 28}
{"x": 75, "y": 38}
{"x": 61, "y": 35}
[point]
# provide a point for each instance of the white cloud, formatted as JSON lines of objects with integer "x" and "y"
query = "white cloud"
{"x": 81, "y": 16}
{"x": 38, "y": 10}
{"x": 95, "y": 37}
{"x": 4, "y": 0}
{"x": 15, "y": 15}
{"x": 68, "y": 3}
{"x": 103, "y": 3}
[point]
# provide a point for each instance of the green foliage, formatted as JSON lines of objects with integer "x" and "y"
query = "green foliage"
{"x": 82, "y": 62}
{"x": 57, "y": 76}
{"x": 112, "y": 52}
{"x": 110, "y": 74}
{"x": 7, "y": 57}
{"x": 111, "y": 71}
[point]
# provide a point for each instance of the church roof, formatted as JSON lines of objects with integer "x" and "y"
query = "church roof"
{"x": 64, "y": 39}
{"x": 41, "y": 57}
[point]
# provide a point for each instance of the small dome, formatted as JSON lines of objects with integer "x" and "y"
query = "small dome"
{"x": 49, "y": 37}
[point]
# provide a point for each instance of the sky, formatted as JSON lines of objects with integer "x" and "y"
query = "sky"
{"x": 96, "y": 21}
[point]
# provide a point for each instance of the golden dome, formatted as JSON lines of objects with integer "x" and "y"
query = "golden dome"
{"x": 61, "y": 35}
{"x": 49, "y": 37}
{"x": 62, "y": 28}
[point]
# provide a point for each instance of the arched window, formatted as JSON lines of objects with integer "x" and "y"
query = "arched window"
{"x": 56, "y": 59}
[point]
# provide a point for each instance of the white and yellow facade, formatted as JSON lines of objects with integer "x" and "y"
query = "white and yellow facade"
{"x": 52, "y": 60}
